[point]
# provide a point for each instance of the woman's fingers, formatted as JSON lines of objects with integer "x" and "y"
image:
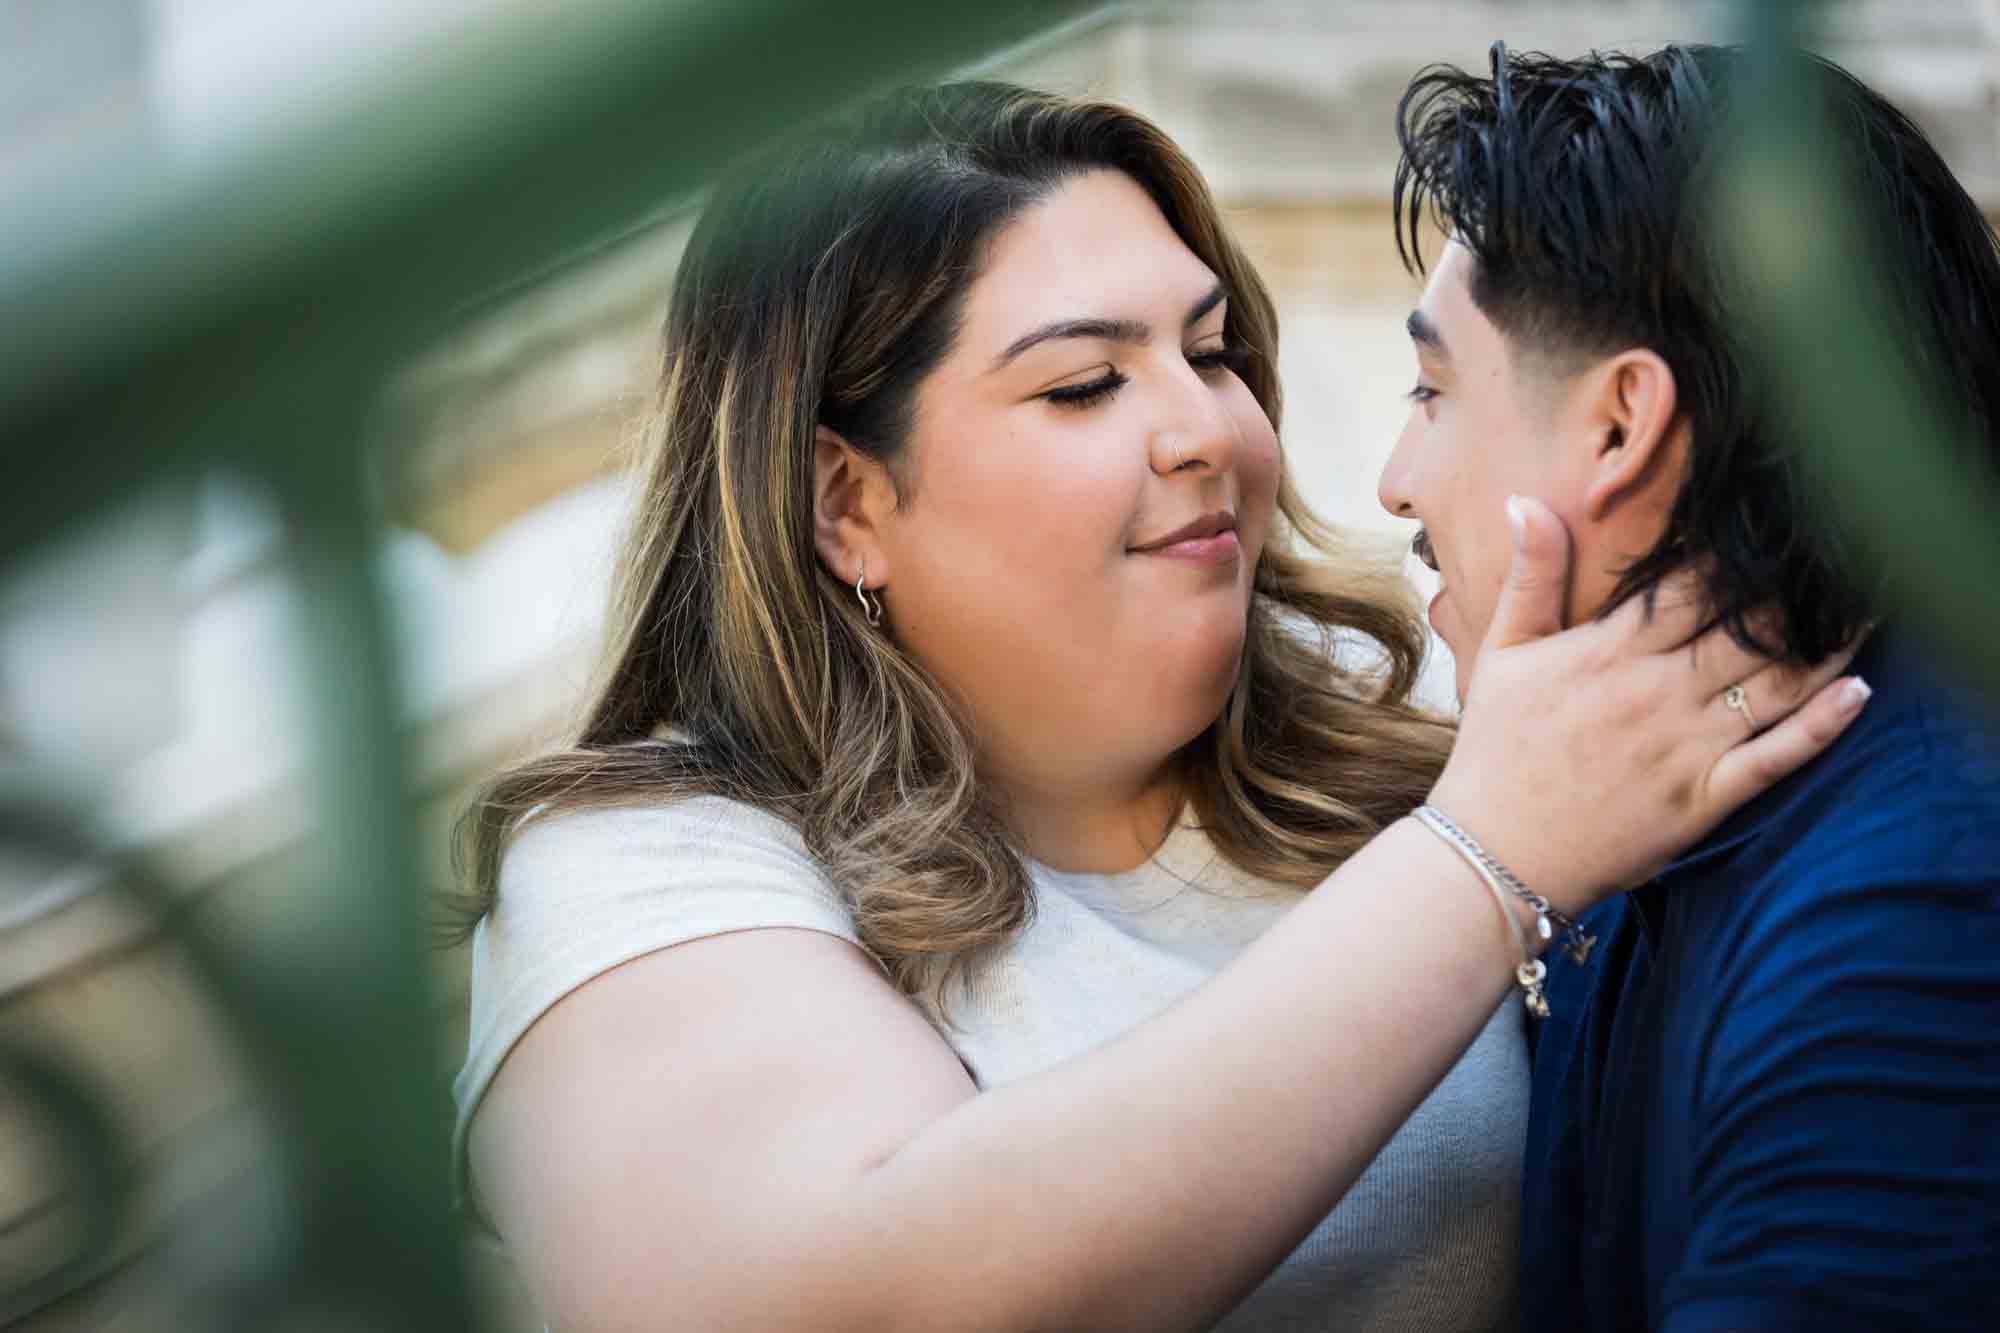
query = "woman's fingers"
{"x": 1637, "y": 704}
{"x": 1718, "y": 659}
{"x": 1666, "y": 619}
{"x": 1749, "y": 769}
{"x": 1531, "y": 599}
{"x": 1669, "y": 620}
{"x": 1721, "y": 660}
{"x": 1773, "y": 691}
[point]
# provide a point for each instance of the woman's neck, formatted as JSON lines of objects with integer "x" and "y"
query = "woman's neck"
{"x": 1099, "y": 830}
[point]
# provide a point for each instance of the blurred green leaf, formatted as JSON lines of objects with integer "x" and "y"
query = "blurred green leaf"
{"x": 1890, "y": 443}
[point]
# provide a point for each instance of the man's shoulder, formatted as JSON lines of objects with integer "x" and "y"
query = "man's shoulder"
{"x": 1889, "y": 844}
{"x": 1891, "y": 867}
{"x": 1930, "y": 730}
{"x": 1918, "y": 795}
{"x": 1911, "y": 792}
{"x": 1887, "y": 847}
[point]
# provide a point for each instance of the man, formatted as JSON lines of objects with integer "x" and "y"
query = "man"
{"x": 1771, "y": 1097}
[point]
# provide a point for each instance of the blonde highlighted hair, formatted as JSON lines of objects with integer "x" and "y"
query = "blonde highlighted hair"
{"x": 824, "y": 281}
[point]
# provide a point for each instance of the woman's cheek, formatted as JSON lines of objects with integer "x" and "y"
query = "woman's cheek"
{"x": 1264, "y": 460}
{"x": 1258, "y": 462}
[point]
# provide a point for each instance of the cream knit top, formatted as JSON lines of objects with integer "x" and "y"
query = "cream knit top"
{"x": 1425, "y": 1241}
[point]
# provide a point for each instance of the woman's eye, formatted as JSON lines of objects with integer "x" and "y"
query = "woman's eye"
{"x": 1229, "y": 356}
{"x": 1423, "y": 393}
{"x": 1083, "y": 395}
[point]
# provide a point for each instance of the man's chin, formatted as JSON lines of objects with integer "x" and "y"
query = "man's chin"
{"x": 1461, "y": 663}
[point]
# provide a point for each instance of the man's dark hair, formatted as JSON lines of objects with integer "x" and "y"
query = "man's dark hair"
{"x": 1576, "y": 185}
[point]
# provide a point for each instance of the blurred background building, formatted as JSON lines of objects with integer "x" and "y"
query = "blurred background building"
{"x": 152, "y": 660}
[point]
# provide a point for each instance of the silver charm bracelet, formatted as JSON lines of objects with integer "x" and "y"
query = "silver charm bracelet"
{"x": 1503, "y": 883}
{"x": 1575, "y": 942}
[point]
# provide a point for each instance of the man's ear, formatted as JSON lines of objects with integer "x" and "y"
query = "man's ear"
{"x": 851, "y": 492}
{"x": 1642, "y": 442}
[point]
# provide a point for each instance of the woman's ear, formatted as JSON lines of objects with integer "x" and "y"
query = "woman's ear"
{"x": 851, "y": 492}
{"x": 1642, "y": 449}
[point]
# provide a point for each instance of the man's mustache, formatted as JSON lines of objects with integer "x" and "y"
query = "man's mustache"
{"x": 1420, "y": 547}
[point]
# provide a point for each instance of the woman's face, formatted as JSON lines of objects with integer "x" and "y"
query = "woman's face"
{"x": 1086, "y": 416}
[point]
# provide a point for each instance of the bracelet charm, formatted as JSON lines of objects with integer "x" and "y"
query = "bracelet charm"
{"x": 1529, "y": 975}
{"x": 1576, "y": 942}
{"x": 1532, "y": 972}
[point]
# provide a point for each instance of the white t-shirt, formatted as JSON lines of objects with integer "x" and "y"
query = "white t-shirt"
{"x": 1427, "y": 1238}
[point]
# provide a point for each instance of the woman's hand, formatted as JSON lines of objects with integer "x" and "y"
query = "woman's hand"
{"x": 1589, "y": 757}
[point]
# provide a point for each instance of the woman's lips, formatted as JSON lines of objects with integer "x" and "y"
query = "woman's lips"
{"x": 1200, "y": 550}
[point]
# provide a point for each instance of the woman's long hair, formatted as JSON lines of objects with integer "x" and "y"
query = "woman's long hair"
{"x": 824, "y": 281}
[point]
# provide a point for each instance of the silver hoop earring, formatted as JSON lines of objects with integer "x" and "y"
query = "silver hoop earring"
{"x": 871, "y": 606}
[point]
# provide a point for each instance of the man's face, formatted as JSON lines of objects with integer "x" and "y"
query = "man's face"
{"x": 1481, "y": 428}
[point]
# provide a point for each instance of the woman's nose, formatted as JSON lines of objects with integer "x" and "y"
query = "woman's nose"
{"x": 1197, "y": 433}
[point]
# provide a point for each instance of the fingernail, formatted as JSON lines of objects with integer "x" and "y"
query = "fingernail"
{"x": 1517, "y": 519}
{"x": 1854, "y": 694}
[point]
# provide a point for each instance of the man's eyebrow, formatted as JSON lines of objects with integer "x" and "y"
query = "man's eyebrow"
{"x": 1424, "y": 332}
{"x": 1110, "y": 330}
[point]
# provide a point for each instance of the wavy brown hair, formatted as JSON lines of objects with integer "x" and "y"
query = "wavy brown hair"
{"x": 824, "y": 281}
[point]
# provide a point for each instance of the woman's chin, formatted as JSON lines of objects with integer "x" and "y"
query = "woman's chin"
{"x": 1202, "y": 680}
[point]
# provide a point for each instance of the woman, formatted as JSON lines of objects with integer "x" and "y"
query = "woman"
{"x": 918, "y": 933}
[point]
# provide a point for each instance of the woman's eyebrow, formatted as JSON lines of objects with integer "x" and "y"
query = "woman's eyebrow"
{"x": 1110, "y": 330}
{"x": 1216, "y": 296}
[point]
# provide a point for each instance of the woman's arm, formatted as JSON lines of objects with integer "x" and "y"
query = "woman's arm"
{"x": 756, "y": 1131}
